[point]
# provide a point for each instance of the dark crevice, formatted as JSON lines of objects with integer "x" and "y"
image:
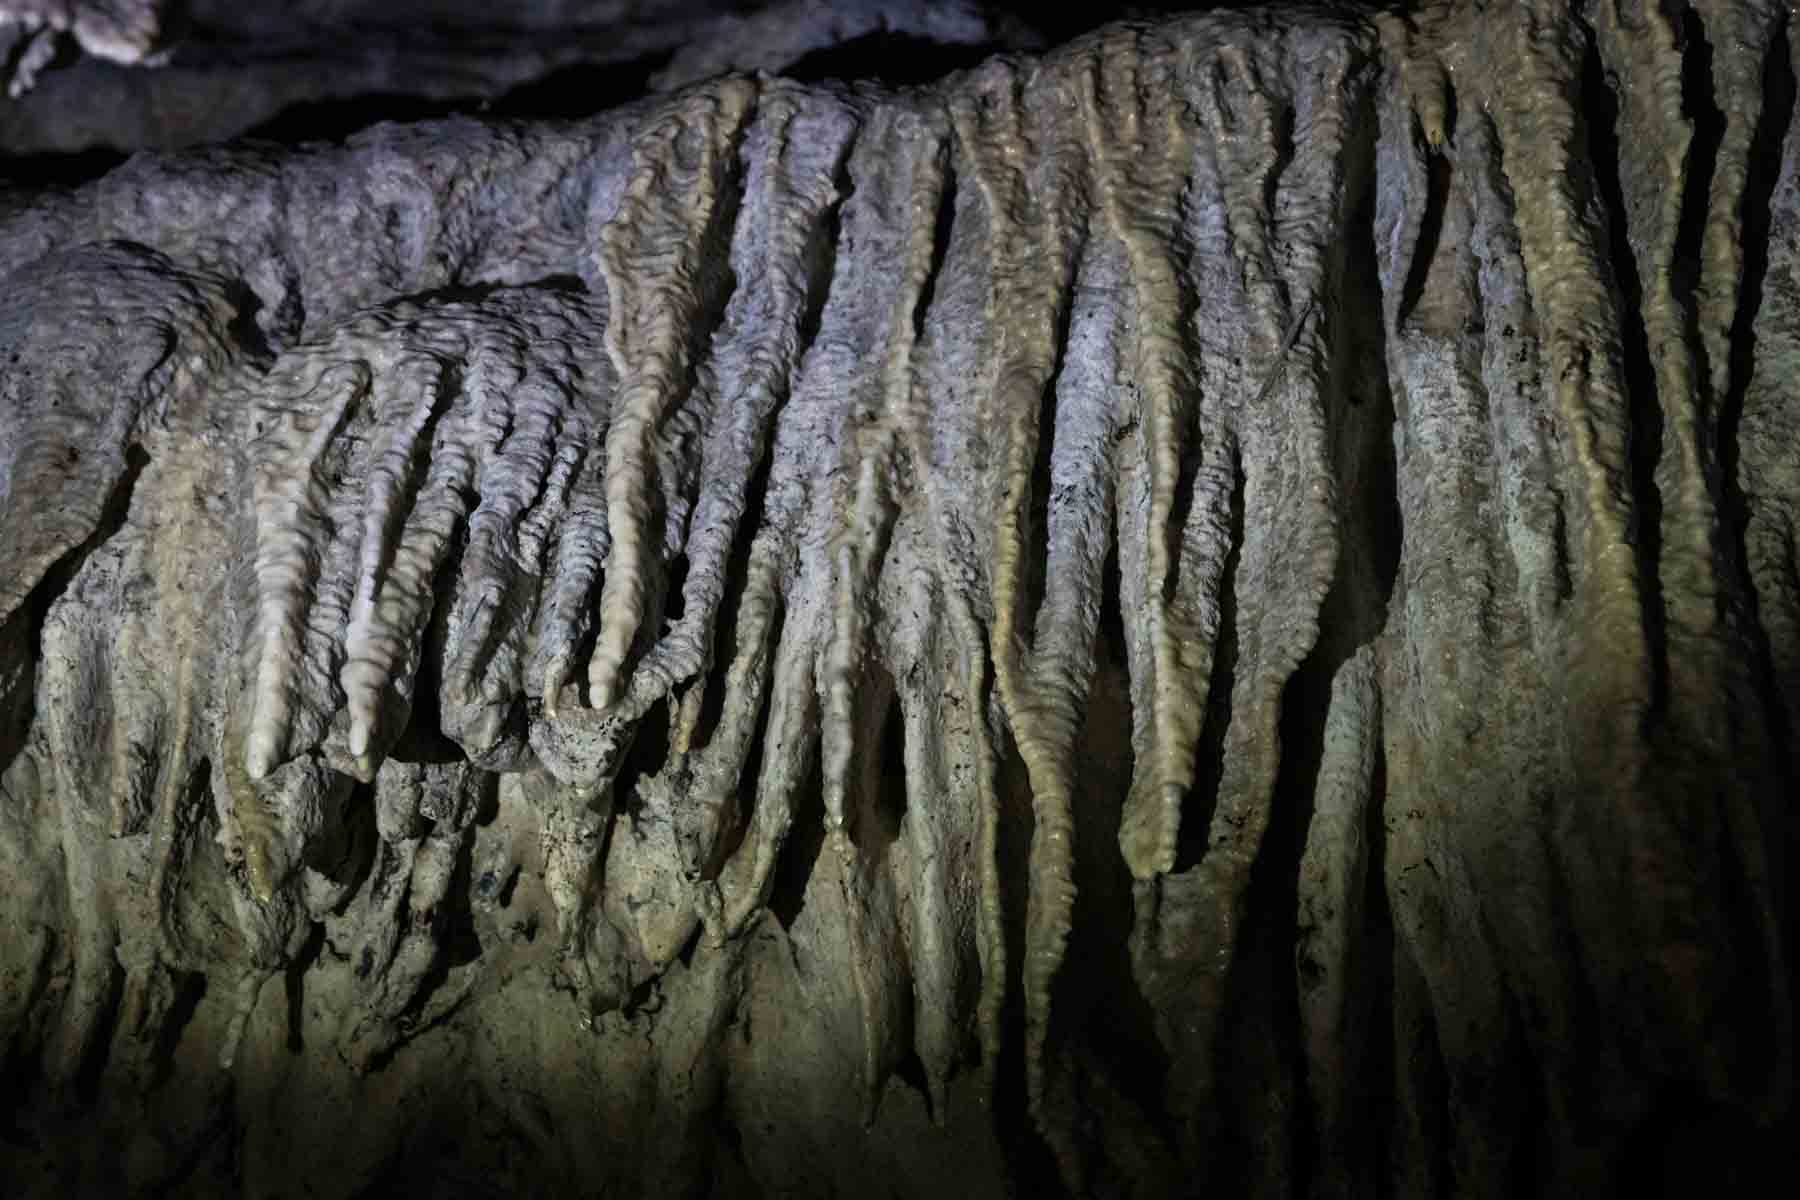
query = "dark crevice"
{"x": 334, "y": 121}
{"x": 655, "y": 571}
{"x": 1750, "y": 1008}
{"x": 1209, "y": 759}
{"x": 474, "y": 293}
{"x": 645, "y": 758}
{"x": 943, "y": 227}
{"x": 1034, "y": 537}
{"x": 874, "y": 832}
{"x": 361, "y": 841}
{"x": 730, "y": 1171}
{"x": 821, "y": 264}
{"x": 734, "y": 825}
{"x": 580, "y": 90}
{"x": 1272, "y": 895}
{"x": 1361, "y": 420}
{"x": 1690, "y": 1145}
{"x": 189, "y": 988}
{"x": 456, "y": 943}
{"x": 1600, "y": 115}
{"x": 727, "y": 615}
{"x": 294, "y": 979}
{"x": 1029, "y": 1159}
{"x": 800, "y": 852}
{"x": 421, "y": 739}
{"x": 18, "y": 670}
{"x": 15, "y": 725}
{"x": 1774, "y": 127}
{"x": 1374, "y": 530}
{"x": 384, "y": 879}
{"x": 1098, "y": 1000}
{"x": 675, "y": 588}
{"x": 96, "y": 1050}
{"x": 910, "y": 1070}
{"x": 1263, "y": 1126}
{"x": 891, "y": 57}
{"x": 113, "y": 515}
{"x": 1533, "y": 1158}
{"x": 58, "y": 171}
{"x": 1181, "y": 507}
{"x": 874, "y": 796}
{"x": 1112, "y": 648}
{"x": 1284, "y": 157}
{"x": 1191, "y": 433}
{"x": 1374, "y": 1063}
{"x": 644, "y": 996}
{"x": 1702, "y": 161}
{"x": 1431, "y": 227}
{"x": 685, "y": 955}
{"x": 16, "y": 44}
{"x": 573, "y": 92}
{"x": 245, "y": 328}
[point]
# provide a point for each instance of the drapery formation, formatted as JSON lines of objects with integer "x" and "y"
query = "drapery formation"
{"x": 1231, "y": 589}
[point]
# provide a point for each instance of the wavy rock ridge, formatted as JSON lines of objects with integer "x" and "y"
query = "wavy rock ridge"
{"x": 1232, "y": 589}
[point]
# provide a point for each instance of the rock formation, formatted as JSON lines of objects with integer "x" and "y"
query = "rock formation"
{"x": 1214, "y": 612}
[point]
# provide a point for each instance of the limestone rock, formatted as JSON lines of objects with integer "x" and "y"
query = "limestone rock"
{"x": 1214, "y": 611}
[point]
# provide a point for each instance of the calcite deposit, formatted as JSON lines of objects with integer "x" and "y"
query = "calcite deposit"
{"x": 1213, "y": 612}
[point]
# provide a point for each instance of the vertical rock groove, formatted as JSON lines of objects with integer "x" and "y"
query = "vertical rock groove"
{"x": 1255, "y": 554}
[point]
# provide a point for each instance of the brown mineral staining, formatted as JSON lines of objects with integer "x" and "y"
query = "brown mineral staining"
{"x": 1243, "y": 568}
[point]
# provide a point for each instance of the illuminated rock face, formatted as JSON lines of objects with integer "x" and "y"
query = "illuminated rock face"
{"x": 1213, "y": 613}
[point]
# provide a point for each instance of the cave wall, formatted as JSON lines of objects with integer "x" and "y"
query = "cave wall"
{"x": 1217, "y": 609}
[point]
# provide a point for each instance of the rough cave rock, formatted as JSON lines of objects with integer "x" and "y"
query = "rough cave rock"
{"x": 1213, "y": 612}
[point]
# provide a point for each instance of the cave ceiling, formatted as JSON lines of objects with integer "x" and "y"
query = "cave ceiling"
{"x": 833, "y": 598}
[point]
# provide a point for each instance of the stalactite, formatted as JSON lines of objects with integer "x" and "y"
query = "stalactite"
{"x": 660, "y": 257}
{"x": 1032, "y": 227}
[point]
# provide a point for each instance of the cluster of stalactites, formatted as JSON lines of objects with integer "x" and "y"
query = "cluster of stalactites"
{"x": 866, "y": 406}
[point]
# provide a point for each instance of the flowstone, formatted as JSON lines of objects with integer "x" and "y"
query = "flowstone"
{"x": 1212, "y": 612}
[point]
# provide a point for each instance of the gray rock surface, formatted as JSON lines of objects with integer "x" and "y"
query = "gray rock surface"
{"x": 1215, "y": 612}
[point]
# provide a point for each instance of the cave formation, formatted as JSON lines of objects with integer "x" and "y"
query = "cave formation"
{"x": 1212, "y": 608}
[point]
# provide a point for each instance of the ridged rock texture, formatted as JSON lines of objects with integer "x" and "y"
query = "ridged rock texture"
{"x": 1217, "y": 613}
